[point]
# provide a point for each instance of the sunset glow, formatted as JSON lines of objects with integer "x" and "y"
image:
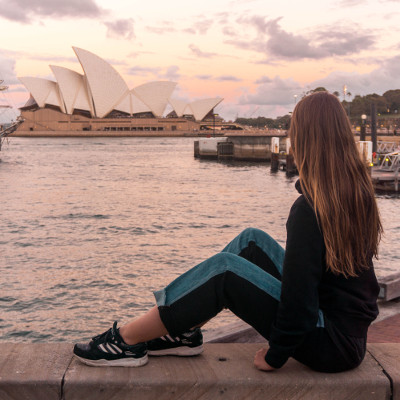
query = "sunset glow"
{"x": 255, "y": 54}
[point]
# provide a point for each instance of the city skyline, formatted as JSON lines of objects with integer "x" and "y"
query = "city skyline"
{"x": 259, "y": 57}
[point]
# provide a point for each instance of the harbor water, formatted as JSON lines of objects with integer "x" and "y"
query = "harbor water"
{"x": 91, "y": 227}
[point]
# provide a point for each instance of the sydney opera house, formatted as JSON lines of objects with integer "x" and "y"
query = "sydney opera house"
{"x": 100, "y": 101}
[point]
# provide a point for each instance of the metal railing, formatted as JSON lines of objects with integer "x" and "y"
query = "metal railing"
{"x": 386, "y": 147}
{"x": 391, "y": 161}
{"x": 4, "y": 133}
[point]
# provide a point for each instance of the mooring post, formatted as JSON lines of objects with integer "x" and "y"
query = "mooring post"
{"x": 274, "y": 154}
{"x": 290, "y": 164}
{"x": 365, "y": 149}
{"x": 373, "y": 127}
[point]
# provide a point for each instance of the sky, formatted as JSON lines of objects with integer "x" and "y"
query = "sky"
{"x": 260, "y": 56}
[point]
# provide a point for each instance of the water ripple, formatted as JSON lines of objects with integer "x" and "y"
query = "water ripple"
{"x": 90, "y": 228}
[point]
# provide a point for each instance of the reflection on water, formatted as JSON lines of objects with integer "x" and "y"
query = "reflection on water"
{"x": 90, "y": 227}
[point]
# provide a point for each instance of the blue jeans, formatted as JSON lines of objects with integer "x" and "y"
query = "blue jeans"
{"x": 246, "y": 278}
{"x": 246, "y": 274}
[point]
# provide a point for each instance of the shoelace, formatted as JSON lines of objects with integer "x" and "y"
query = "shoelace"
{"x": 106, "y": 336}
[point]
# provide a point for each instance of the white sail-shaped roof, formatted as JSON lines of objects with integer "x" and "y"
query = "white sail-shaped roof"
{"x": 178, "y": 106}
{"x": 83, "y": 100}
{"x": 73, "y": 89}
{"x": 54, "y": 97}
{"x": 106, "y": 85}
{"x": 155, "y": 95}
{"x": 31, "y": 101}
{"x": 187, "y": 110}
{"x": 137, "y": 105}
{"x": 202, "y": 107}
{"x": 38, "y": 87}
{"x": 101, "y": 89}
{"x": 125, "y": 104}
{"x": 131, "y": 104}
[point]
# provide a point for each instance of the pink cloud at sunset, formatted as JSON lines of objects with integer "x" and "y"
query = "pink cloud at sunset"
{"x": 257, "y": 56}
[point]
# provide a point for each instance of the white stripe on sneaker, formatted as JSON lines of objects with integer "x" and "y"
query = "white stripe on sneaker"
{"x": 116, "y": 348}
{"x": 101, "y": 347}
{"x": 110, "y": 348}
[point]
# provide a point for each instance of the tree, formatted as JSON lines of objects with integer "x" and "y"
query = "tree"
{"x": 336, "y": 93}
{"x": 392, "y": 98}
{"x": 318, "y": 89}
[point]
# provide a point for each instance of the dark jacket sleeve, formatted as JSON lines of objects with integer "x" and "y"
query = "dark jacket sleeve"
{"x": 302, "y": 270}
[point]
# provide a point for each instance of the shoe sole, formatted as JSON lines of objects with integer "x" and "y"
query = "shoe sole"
{"x": 183, "y": 351}
{"x": 122, "y": 362}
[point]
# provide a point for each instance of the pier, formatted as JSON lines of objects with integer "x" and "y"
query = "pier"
{"x": 240, "y": 146}
{"x": 386, "y": 176}
{"x": 274, "y": 147}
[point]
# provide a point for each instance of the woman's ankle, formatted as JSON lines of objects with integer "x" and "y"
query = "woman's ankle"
{"x": 123, "y": 332}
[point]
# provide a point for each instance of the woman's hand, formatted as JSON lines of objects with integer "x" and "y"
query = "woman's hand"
{"x": 259, "y": 361}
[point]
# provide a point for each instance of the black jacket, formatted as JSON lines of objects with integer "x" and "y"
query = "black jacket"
{"x": 307, "y": 286}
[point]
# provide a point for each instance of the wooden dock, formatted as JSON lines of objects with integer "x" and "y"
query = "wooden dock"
{"x": 385, "y": 179}
{"x": 389, "y": 286}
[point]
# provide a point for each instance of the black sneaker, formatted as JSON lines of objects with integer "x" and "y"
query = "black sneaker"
{"x": 110, "y": 350}
{"x": 187, "y": 344}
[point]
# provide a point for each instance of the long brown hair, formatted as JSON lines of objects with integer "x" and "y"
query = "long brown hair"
{"x": 336, "y": 182}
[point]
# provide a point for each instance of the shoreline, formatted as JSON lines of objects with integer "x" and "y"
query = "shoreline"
{"x": 38, "y": 134}
{"x": 167, "y": 134}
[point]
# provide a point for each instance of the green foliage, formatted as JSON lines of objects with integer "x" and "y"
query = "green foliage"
{"x": 387, "y": 104}
{"x": 262, "y": 122}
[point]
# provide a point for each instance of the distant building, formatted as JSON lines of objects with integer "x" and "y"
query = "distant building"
{"x": 100, "y": 100}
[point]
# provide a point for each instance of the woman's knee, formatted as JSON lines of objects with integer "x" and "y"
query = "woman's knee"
{"x": 254, "y": 235}
{"x": 223, "y": 262}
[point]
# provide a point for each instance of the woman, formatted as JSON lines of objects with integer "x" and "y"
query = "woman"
{"x": 314, "y": 301}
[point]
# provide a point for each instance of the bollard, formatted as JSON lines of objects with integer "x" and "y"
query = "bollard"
{"x": 274, "y": 154}
{"x": 290, "y": 165}
{"x": 274, "y": 162}
{"x": 196, "y": 149}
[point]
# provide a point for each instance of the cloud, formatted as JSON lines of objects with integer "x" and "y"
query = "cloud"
{"x": 199, "y": 53}
{"x": 276, "y": 95}
{"x": 172, "y": 73}
{"x": 25, "y": 11}
{"x": 201, "y": 26}
{"x": 139, "y": 53}
{"x": 138, "y": 70}
{"x": 379, "y": 80}
{"x": 228, "y": 78}
{"x": 228, "y": 31}
{"x": 120, "y": 29}
{"x": 264, "y": 79}
{"x": 274, "y": 42}
{"x": 351, "y": 3}
{"x": 277, "y": 91}
{"x": 222, "y": 78}
{"x": 15, "y": 55}
{"x": 162, "y": 28}
{"x": 204, "y": 77}
{"x": 7, "y": 70}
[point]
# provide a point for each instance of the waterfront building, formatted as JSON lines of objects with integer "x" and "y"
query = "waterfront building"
{"x": 100, "y": 101}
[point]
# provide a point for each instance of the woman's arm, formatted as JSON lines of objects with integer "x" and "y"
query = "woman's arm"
{"x": 302, "y": 271}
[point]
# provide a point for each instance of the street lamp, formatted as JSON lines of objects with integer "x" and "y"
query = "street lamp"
{"x": 363, "y": 125}
{"x": 295, "y": 99}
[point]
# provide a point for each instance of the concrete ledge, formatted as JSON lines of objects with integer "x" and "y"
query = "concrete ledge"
{"x": 388, "y": 356}
{"x": 33, "y": 371}
{"x": 48, "y": 371}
